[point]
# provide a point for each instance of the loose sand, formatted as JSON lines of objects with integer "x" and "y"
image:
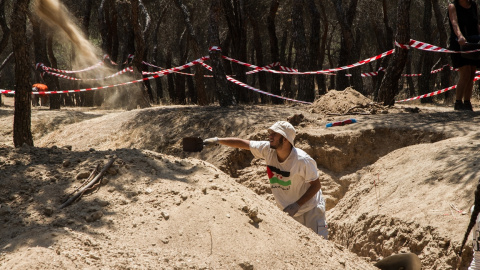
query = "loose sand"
{"x": 393, "y": 183}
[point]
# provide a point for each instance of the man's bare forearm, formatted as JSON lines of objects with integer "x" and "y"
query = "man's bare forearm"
{"x": 235, "y": 142}
{"x": 315, "y": 186}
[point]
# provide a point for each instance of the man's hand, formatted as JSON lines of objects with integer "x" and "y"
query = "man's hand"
{"x": 210, "y": 142}
{"x": 292, "y": 209}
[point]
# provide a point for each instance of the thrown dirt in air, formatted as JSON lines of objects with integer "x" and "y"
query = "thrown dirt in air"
{"x": 56, "y": 15}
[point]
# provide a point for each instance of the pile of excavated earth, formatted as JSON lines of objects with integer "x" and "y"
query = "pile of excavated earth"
{"x": 399, "y": 180}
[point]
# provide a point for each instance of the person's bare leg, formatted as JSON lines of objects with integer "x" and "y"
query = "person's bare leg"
{"x": 467, "y": 95}
{"x": 467, "y": 105}
{"x": 464, "y": 74}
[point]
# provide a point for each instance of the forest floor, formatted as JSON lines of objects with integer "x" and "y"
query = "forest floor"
{"x": 401, "y": 179}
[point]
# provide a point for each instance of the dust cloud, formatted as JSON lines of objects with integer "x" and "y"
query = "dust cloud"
{"x": 56, "y": 15}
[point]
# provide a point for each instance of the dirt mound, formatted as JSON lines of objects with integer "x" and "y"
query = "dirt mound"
{"x": 153, "y": 211}
{"x": 393, "y": 183}
{"x": 341, "y": 102}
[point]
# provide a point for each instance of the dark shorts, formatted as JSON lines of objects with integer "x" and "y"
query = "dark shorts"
{"x": 457, "y": 59}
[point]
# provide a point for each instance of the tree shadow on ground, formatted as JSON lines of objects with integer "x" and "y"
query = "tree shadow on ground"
{"x": 34, "y": 182}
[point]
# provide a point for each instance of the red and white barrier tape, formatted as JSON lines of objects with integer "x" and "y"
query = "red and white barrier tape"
{"x": 128, "y": 69}
{"x": 367, "y": 74}
{"x": 288, "y": 69}
{"x": 255, "y": 89}
{"x": 272, "y": 65}
{"x": 429, "y": 47}
{"x": 176, "y": 69}
{"x": 106, "y": 56}
{"x": 429, "y": 94}
{"x": 359, "y": 63}
{"x": 155, "y": 76}
{"x": 210, "y": 76}
{"x": 433, "y": 93}
{"x": 45, "y": 68}
{"x": 215, "y": 48}
{"x": 403, "y": 46}
{"x": 3, "y": 91}
{"x": 152, "y": 65}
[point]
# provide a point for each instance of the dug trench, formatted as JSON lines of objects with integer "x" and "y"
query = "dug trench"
{"x": 346, "y": 161}
{"x": 391, "y": 182}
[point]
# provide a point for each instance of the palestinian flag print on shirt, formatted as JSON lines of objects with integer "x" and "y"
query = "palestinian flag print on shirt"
{"x": 278, "y": 178}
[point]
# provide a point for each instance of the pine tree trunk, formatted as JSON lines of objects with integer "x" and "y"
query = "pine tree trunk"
{"x": 223, "y": 90}
{"x": 348, "y": 50}
{"x": 4, "y": 26}
{"x": 257, "y": 44}
{"x": 274, "y": 50}
{"x": 200, "y": 96}
{"x": 139, "y": 94}
{"x": 22, "y": 133}
{"x": 55, "y": 100}
{"x": 235, "y": 17}
{"x": 446, "y": 74}
{"x": 389, "y": 86}
{"x": 306, "y": 90}
{"x": 321, "y": 80}
{"x": 427, "y": 63}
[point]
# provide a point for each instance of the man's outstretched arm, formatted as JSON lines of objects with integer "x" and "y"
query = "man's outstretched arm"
{"x": 232, "y": 142}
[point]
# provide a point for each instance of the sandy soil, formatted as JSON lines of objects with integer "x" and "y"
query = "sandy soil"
{"x": 399, "y": 180}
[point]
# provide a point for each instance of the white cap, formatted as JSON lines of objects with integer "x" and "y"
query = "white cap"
{"x": 285, "y": 129}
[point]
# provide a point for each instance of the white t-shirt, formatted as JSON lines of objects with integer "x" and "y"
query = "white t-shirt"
{"x": 475, "y": 264}
{"x": 289, "y": 180}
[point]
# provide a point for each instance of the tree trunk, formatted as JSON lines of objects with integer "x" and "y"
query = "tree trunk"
{"x": 389, "y": 86}
{"x": 182, "y": 50}
{"x": 4, "y": 26}
{"x": 201, "y": 94}
{"x": 321, "y": 80}
{"x": 156, "y": 56}
{"x": 89, "y": 95}
{"x": 86, "y": 16}
{"x": 138, "y": 95}
{"x": 41, "y": 56}
{"x": 348, "y": 49}
{"x": 274, "y": 50}
{"x": 306, "y": 90}
{"x": 128, "y": 36}
{"x": 446, "y": 74}
{"x": 235, "y": 16}
{"x": 410, "y": 83}
{"x": 314, "y": 46}
{"x": 22, "y": 133}
{"x": 385, "y": 42}
{"x": 55, "y": 100}
{"x": 170, "y": 78}
{"x": 227, "y": 65}
{"x": 427, "y": 61}
{"x": 286, "y": 58}
{"x": 191, "y": 93}
{"x": 106, "y": 35}
{"x": 253, "y": 18}
{"x": 5, "y": 36}
{"x": 113, "y": 30}
{"x": 331, "y": 61}
{"x": 223, "y": 90}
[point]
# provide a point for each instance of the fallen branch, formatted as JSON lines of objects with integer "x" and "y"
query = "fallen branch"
{"x": 92, "y": 174}
{"x": 89, "y": 185}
